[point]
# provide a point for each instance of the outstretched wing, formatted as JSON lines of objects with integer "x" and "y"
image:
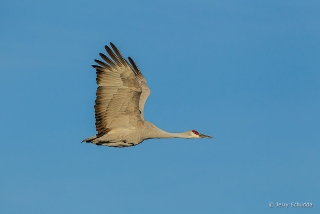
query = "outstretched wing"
{"x": 119, "y": 93}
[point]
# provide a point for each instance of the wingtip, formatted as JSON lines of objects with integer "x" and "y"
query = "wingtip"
{"x": 102, "y": 55}
{"x": 136, "y": 69}
{"x": 106, "y": 47}
{"x": 109, "y": 51}
{"x": 114, "y": 47}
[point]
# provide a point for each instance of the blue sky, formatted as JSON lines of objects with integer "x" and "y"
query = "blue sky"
{"x": 246, "y": 72}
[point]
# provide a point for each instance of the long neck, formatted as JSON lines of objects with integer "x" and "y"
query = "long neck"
{"x": 151, "y": 131}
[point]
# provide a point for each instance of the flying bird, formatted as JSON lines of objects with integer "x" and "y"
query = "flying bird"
{"x": 119, "y": 106}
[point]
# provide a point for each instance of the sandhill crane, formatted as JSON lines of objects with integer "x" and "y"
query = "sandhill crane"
{"x": 121, "y": 94}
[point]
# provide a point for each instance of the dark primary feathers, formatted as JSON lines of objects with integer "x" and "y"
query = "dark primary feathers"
{"x": 121, "y": 94}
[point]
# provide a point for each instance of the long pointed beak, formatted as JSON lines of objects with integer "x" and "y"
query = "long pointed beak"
{"x": 204, "y": 136}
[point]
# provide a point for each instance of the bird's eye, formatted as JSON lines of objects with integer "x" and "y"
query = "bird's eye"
{"x": 195, "y": 132}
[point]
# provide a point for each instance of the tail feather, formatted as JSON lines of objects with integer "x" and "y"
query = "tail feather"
{"x": 89, "y": 139}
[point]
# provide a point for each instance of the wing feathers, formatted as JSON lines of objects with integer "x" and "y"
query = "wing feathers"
{"x": 134, "y": 65}
{"x": 113, "y": 56}
{"x": 107, "y": 59}
{"x": 120, "y": 95}
{"x": 120, "y": 57}
{"x": 102, "y": 63}
{"x": 97, "y": 67}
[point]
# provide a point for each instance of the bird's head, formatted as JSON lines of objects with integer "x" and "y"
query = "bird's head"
{"x": 195, "y": 134}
